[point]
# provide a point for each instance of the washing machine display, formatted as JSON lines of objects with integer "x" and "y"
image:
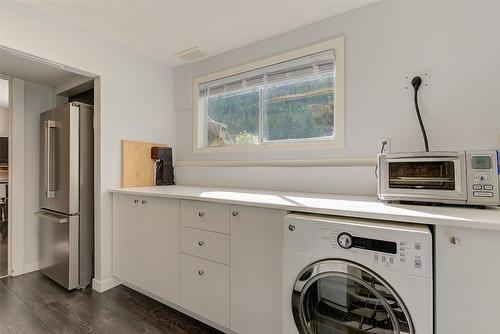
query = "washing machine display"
{"x": 346, "y": 241}
{"x": 337, "y": 296}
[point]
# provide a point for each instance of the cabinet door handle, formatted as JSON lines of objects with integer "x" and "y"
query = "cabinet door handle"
{"x": 201, "y": 243}
{"x": 201, "y": 273}
{"x": 201, "y": 214}
{"x": 143, "y": 201}
{"x": 454, "y": 240}
{"x": 235, "y": 213}
{"x": 136, "y": 201}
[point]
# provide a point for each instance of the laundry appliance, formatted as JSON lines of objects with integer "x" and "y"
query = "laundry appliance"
{"x": 347, "y": 275}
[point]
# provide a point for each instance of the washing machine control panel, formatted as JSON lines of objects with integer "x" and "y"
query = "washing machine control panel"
{"x": 391, "y": 246}
{"x": 345, "y": 240}
{"x": 382, "y": 252}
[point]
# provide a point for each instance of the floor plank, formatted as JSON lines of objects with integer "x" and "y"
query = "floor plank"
{"x": 34, "y": 304}
{"x": 4, "y": 269}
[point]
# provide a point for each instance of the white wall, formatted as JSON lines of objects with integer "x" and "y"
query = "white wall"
{"x": 29, "y": 100}
{"x": 37, "y": 99}
{"x": 16, "y": 176}
{"x": 4, "y": 93}
{"x": 4, "y": 122}
{"x": 4, "y": 105}
{"x": 453, "y": 41}
{"x": 136, "y": 96}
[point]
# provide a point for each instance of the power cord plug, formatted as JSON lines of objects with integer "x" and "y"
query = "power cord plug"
{"x": 416, "y": 82}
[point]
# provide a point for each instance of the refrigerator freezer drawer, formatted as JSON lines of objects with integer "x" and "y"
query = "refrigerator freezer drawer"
{"x": 59, "y": 257}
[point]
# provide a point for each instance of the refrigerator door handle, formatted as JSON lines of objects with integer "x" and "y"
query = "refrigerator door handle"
{"x": 48, "y": 142}
{"x": 52, "y": 217}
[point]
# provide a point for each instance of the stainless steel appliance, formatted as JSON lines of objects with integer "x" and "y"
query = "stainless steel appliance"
{"x": 66, "y": 194}
{"x": 463, "y": 177}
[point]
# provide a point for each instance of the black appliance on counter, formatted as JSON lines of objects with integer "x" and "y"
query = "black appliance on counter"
{"x": 4, "y": 150}
{"x": 164, "y": 169}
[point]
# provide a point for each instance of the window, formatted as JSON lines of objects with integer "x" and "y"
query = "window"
{"x": 291, "y": 100}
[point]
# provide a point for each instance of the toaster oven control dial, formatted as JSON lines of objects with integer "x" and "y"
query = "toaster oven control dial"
{"x": 344, "y": 240}
{"x": 481, "y": 177}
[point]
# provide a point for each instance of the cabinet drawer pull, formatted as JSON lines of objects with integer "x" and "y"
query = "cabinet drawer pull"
{"x": 136, "y": 201}
{"x": 201, "y": 272}
{"x": 201, "y": 214}
{"x": 235, "y": 213}
{"x": 454, "y": 240}
{"x": 201, "y": 243}
{"x": 144, "y": 201}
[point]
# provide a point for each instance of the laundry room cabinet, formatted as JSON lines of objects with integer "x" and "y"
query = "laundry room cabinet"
{"x": 256, "y": 270}
{"x": 127, "y": 241}
{"x": 467, "y": 272}
{"x": 204, "y": 264}
{"x": 146, "y": 243}
{"x": 222, "y": 262}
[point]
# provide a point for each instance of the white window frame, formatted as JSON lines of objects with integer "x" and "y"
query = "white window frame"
{"x": 336, "y": 141}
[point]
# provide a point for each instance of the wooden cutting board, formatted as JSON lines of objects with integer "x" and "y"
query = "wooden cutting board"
{"x": 137, "y": 166}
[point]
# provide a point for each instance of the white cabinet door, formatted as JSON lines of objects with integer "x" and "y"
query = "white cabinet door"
{"x": 467, "y": 276}
{"x": 256, "y": 270}
{"x": 127, "y": 236}
{"x": 205, "y": 288}
{"x": 160, "y": 247}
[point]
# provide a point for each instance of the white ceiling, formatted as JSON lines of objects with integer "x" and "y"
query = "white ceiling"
{"x": 17, "y": 66}
{"x": 162, "y": 28}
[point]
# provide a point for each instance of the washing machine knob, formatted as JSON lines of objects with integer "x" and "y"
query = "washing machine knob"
{"x": 344, "y": 240}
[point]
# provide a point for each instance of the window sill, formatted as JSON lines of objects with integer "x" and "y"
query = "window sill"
{"x": 275, "y": 146}
{"x": 338, "y": 162}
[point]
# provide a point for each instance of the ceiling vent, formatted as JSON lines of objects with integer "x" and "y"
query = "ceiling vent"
{"x": 191, "y": 54}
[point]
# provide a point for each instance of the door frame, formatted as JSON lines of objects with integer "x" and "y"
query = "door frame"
{"x": 16, "y": 178}
{"x": 9, "y": 176}
{"x": 16, "y": 224}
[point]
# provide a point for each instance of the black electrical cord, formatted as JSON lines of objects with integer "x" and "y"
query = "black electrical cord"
{"x": 416, "y": 82}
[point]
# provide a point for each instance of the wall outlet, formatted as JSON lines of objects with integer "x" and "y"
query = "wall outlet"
{"x": 384, "y": 145}
{"x": 407, "y": 78}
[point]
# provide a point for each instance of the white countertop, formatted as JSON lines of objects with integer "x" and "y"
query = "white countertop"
{"x": 339, "y": 205}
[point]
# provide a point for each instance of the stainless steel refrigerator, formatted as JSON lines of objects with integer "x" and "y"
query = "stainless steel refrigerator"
{"x": 66, "y": 194}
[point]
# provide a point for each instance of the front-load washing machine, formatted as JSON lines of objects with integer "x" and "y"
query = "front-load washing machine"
{"x": 352, "y": 276}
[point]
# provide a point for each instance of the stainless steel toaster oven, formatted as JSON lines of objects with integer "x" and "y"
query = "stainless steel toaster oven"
{"x": 463, "y": 177}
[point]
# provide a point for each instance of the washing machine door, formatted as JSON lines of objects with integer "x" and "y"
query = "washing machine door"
{"x": 342, "y": 297}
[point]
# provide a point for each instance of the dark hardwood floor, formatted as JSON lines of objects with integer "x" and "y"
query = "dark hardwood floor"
{"x": 33, "y": 303}
{"x": 3, "y": 255}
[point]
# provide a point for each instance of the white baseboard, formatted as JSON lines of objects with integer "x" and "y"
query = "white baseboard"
{"x": 30, "y": 267}
{"x": 104, "y": 285}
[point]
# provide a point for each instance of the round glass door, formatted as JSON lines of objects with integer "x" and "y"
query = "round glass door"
{"x": 340, "y": 297}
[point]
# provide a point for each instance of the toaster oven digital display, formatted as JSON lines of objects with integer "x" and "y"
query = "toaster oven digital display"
{"x": 481, "y": 162}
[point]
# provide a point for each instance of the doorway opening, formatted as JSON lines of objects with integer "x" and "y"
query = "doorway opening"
{"x": 51, "y": 143}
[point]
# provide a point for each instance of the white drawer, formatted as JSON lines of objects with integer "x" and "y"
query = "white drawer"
{"x": 205, "y": 244}
{"x": 205, "y": 288}
{"x": 206, "y": 216}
